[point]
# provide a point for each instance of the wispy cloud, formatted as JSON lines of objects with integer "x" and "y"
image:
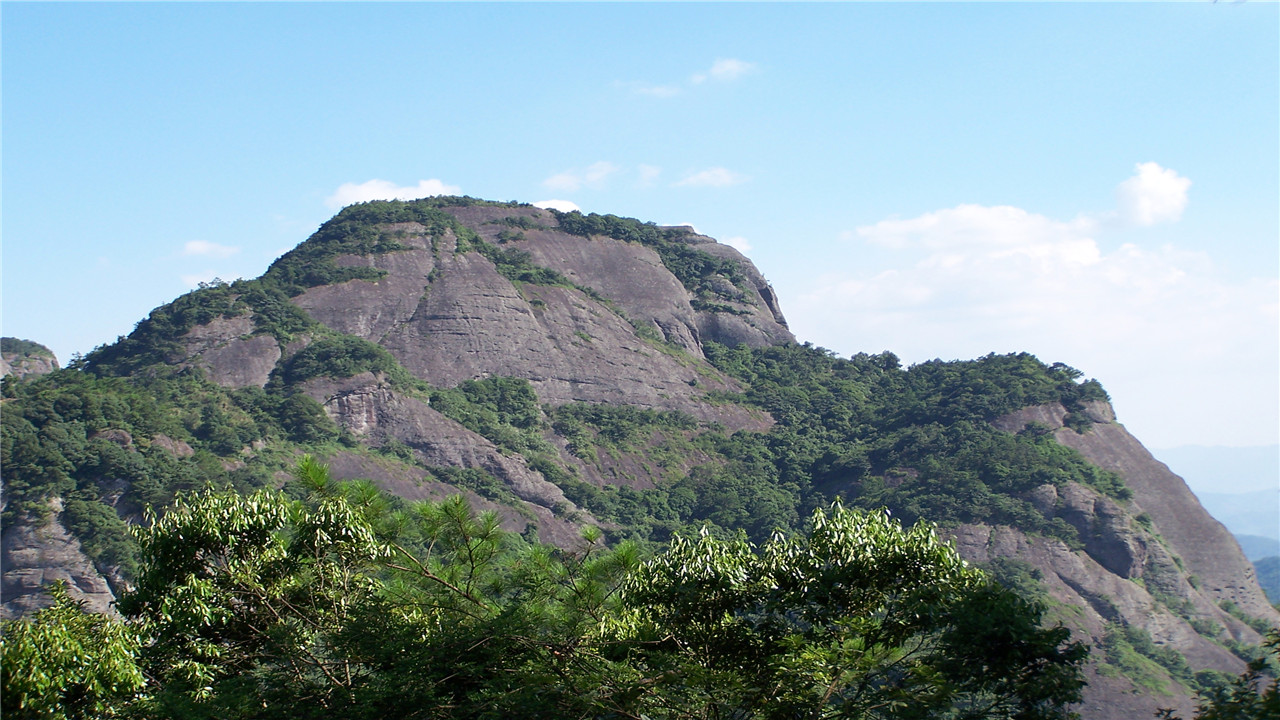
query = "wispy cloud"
{"x": 208, "y": 249}
{"x": 723, "y": 70}
{"x": 573, "y": 180}
{"x": 712, "y": 177}
{"x": 349, "y": 193}
{"x": 738, "y": 243}
{"x": 648, "y": 175}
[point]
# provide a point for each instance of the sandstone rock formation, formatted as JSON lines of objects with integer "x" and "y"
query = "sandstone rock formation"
{"x": 1157, "y": 562}
{"x": 36, "y": 554}
{"x": 23, "y": 358}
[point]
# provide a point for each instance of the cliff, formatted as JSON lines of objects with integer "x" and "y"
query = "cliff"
{"x": 24, "y": 358}
{"x": 566, "y": 370}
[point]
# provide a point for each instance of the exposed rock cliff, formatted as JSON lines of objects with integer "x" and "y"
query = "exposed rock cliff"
{"x": 22, "y": 358}
{"x": 450, "y": 316}
{"x": 36, "y": 554}
{"x": 1158, "y": 563}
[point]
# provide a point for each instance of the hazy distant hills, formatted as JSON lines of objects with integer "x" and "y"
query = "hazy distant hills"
{"x": 1225, "y": 470}
{"x": 1251, "y": 513}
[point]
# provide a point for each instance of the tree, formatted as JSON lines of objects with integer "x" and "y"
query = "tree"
{"x": 859, "y": 618}
{"x": 67, "y": 663}
{"x": 240, "y": 599}
{"x": 1248, "y": 697}
{"x": 343, "y": 604}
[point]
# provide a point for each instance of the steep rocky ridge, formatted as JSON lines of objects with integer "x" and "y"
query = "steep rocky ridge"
{"x": 1203, "y": 548}
{"x": 473, "y": 291}
{"x": 449, "y": 315}
{"x": 1158, "y": 563}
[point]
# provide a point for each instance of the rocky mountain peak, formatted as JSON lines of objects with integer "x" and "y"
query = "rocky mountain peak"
{"x": 23, "y": 358}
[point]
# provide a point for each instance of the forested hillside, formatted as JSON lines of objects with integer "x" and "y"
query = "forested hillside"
{"x": 569, "y": 373}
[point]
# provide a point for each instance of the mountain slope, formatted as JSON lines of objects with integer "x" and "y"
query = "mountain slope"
{"x": 565, "y": 370}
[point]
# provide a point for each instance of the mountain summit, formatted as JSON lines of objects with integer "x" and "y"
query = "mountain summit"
{"x": 567, "y": 370}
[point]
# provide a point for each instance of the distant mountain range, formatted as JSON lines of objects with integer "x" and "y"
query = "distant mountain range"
{"x": 1250, "y": 513}
{"x": 1225, "y": 470}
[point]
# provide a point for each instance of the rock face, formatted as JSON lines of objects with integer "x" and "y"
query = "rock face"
{"x": 23, "y": 358}
{"x": 34, "y": 555}
{"x": 449, "y": 316}
{"x": 1157, "y": 562}
{"x": 229, "y": 353}
{"x": 368, "y": 408}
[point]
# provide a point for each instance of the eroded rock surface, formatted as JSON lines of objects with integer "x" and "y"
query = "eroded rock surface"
{"x": 370, "y": 409}
{"x": 230, "y": 354}
{"x": 450, "y": 316}
{"x": 37, "y": 361}
{"x": 1126, "y": 574}
{"x": 35, "y": 555}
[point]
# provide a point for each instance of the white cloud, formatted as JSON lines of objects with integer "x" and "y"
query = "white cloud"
{"x": 738, "y": 243}
{"x": 713, "y": 177}
{"x": 574, "y": 180}
{"x": 349, "y": 193}
{"x": 1175, "y": 342}
{"x": 723, "y": 70}
{"x": 1153, "y": 195}
{"x": 561, "y": 205}
{"x": 648, "y": 175}
{"x": 208, "y": 249}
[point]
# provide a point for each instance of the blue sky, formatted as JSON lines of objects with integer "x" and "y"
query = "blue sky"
{"x": 1094, "y": 183}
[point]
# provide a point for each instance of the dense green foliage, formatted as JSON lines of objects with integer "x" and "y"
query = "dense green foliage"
{"x": 110, "y": 447}
{"x": 67, "y": 664}
{"x": 18, "y": 346}
{"x": 340, "y": 605}
{"x": 340, "y": 356}
{"x": 503, "y": 410}
{"x": 918, "y": 441}
{"x": 1255, "y": 695}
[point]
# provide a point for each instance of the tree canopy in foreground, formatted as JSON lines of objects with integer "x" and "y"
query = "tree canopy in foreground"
{"x": 341, "y": 604}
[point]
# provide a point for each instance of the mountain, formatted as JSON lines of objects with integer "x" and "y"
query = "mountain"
{"x": 1269, "y": 576}
{"x": 21, "y": 358}
{"x": 1248, "y": 513}
{"x": 566, "y": 370}
{"x": 1256, "y": 547}
{"x": 1217, "y": 469}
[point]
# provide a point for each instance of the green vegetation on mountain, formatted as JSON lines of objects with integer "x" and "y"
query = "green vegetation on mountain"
{"x": 342, "y": 605}
{"x": 18, "y": 346}
{"x": 1254, "y": 695}
{"x": 917, "y": 441}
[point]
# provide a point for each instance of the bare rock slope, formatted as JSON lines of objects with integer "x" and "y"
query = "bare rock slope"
{"x": 1157, "y": 563}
